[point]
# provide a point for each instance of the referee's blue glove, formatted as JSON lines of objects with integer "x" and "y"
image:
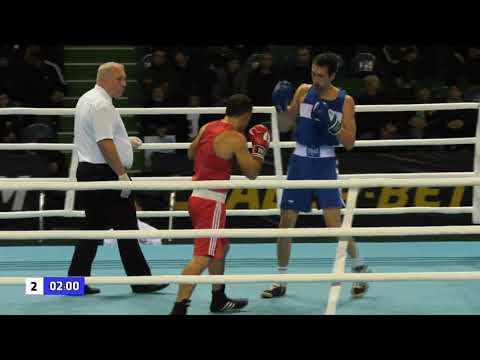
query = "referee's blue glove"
{"x": 281, "y": 95}
{"x": 320, "y": 114}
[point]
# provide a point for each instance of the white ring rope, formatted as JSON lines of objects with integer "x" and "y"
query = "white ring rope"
{"x": 282, "y": 145}
{"x": 283, "y": 177}
{"x": 241, "y": 233}
{"x": 246, "y": 212}
{"x": 266, "y": 278}
{"x": 134, "y": 111}
{"x": 256, "y": 109}
{"x": 32, "y": 184}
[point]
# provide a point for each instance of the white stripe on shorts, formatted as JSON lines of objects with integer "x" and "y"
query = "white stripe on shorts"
{"x": 215, "y": 225}
{"x": 339, "y": 190}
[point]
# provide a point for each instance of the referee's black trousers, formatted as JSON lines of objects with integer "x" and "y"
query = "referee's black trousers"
{"x": 105, "y": 209}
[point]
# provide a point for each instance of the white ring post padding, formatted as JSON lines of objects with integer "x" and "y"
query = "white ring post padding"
{"x": 32, "y": 184}
{"x": 341, "y": 255}
{"x": 72, "y": 173}
{"x": 267, "y": 278}
{"x": 241, "y": 233}
{"x": 476, "y": 171}
{"x": 277, "y": 154}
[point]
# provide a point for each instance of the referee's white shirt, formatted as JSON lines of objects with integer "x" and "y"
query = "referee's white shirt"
{"x": 96, "y": 119}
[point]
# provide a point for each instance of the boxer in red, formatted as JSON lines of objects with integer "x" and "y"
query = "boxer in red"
{"x": 214, "y": 151}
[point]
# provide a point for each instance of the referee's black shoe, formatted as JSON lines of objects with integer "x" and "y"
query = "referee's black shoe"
{"x": 143, "y": 289}
{"x": 90, "y": 290}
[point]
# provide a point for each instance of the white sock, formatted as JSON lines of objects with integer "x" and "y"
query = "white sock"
{"x": 357, "y": 261}
{"x": 282, "y": 270}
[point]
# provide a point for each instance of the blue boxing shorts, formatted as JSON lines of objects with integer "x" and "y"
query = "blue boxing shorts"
{"x": 311, "y": 168}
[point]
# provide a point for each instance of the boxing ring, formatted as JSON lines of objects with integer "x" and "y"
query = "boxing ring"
{"x": 317, "y": 272}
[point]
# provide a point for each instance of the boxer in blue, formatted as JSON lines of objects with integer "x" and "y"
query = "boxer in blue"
{"x": 326, "y": 117}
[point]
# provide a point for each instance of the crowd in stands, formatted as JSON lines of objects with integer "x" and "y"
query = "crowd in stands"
{"x": 31, "y": 76}
{"x": 194, "y": 76}
{"x": 400, "y": 74}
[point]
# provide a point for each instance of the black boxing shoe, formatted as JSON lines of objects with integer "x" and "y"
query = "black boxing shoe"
{"x": 221, "y": 303}
{"x": 144, "y": 289}
{"x": 229, "y": 305}
{"x": 359, "y": 289}
{"x": 88, "y": 290}
{"x": 180, "y": 307}
{"x": 276, "y": 290}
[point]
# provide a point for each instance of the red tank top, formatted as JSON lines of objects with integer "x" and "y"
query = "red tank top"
{"x": 208, "y": 166}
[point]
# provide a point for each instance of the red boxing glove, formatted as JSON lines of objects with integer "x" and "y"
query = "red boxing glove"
{"x": 260, "y": 138}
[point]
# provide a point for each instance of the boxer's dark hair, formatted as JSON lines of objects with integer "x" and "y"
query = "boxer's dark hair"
{"x": 238, "y": 105}
{"x": 329, "y": 60}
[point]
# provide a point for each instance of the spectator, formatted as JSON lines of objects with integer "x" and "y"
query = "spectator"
{"x": 155, "y": 124}
{"x": 207, "y": 75}
{"x": 6, "y": 59}
{"x": 371, "y": 124}
{"x": 344, "y": 51}
{"x": 261, "y": 81}
{"x": 38, "y": 82}
{"x": 243, "y": 51}
{"x": 390, "y": 131}
{"x": 472, "y": 72}
{"x": 10, "y": 125}
{"x": 198, "y": 120}
{"x": 431, "y": 61}
{"x": 403, "y": 64}
{"x": 42, "y": 133}
{"x": 300, "y": 72}
{"x": 456, "y": 123}
{"x": 159, "y": 71}
{"x": 228, "y": 80}
{"x": 186, "y": 73}
{"x": 363, "y": 64}
{"x": 249, "y": 64}
{"x": 284, "y": 56}
{"x": 55, "y": 54}
{"x": 472, "y": 63}
{"x": 162, "y": 125}
{"x": 455, "y": 65}
{"x": 194, "y": 119}
{"x": 421, "y": 124}
{"x": 472, "y": 94}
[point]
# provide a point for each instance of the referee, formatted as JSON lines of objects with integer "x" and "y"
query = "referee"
{"x": 105, "y": 152}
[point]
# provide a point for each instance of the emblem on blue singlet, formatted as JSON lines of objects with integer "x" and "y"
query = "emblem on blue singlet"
{"x": 332, "y": 114}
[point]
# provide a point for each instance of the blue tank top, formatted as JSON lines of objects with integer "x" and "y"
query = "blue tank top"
{"x": 313, "y": 133}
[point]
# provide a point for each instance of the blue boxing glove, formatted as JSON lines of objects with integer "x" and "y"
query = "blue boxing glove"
{"x": 320, "y": 113}
{"x": 281, "y": 95}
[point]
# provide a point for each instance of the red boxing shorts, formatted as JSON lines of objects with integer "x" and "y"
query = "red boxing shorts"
{"x": 208, "y": 211}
